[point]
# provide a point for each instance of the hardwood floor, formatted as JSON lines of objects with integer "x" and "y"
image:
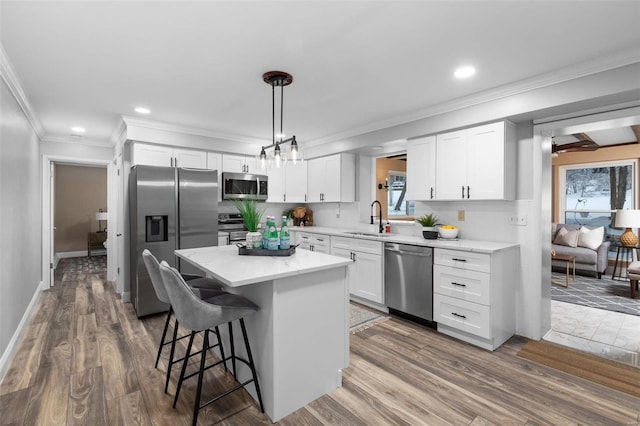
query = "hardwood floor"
{"x": 86, "y": 359}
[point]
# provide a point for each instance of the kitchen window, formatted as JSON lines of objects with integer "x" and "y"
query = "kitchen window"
{"x": 397, "y": 204}
{"x": 591, "y": 193}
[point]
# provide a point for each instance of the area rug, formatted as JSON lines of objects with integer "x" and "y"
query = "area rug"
{"x": 591, "y": 367}
{"x": 362, "y": 318}
{"x": 605, "y": 293}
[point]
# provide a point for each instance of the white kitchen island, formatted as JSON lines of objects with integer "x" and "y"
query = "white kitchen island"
{"x": 300, "y": 336}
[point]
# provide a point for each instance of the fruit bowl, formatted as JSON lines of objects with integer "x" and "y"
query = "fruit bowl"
{"x": 448, "y": 231}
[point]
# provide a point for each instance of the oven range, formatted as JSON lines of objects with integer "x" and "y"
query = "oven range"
{"x": 234, "y": 225}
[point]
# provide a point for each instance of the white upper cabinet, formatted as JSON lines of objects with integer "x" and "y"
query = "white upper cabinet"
{"x": 451, "y": 174}
{"x": 189, "y": 158}
{"x": 276, "y": 189}
{"x": 240, "y": 164}
{"x": 477, "y": 163}
{"x": 288, "y": 184}
{"x": 159, "y": 155}
{"x": 331, "y": 179}
{"x": 421, "y": 169}
{"x": 296, "y": 182}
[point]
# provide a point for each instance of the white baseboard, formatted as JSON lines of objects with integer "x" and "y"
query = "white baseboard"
{"x": 126, "y": 297}
{"x": 81, "y": 253}
{"x": 12, "y": 347}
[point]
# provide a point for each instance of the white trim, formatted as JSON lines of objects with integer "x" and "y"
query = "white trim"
{"x": 157, "y": 125}
{"x": 119, "y": 134}
{"x": 79, "y": 253}
{"x": 12, "y": 81}
{"x": 536, "y": 282}
{"x": 47, "y": 159}
{"x": 12, "y": 347}
{"x": 126, "y": 297}
{"x": 77, "y": 140}
{"x": 587, "y": 112}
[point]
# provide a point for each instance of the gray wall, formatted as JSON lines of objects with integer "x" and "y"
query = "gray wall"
{"x": 20, "y": 215}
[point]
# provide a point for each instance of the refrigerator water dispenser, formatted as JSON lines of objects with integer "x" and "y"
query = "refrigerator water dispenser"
{"x": 156, "y": 228}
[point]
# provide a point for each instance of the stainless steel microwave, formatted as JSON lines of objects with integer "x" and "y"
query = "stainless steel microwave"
{"x": 236, "y": 186}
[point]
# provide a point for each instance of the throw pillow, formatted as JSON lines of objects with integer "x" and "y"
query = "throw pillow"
{"x": 565, "y": 237}
{"x": 591, "y": 238}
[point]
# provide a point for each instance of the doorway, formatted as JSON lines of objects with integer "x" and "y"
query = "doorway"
{"x": 75, "y": 211}
{"x": 583, "y": 316}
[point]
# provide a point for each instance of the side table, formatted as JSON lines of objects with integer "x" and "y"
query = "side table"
{"x": 568, "y": 259}
{"x": 95, "y": 240}
{"x": 623, "y": 254}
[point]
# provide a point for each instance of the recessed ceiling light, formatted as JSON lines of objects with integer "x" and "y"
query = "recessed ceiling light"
{"x": 464, "y": 72}
{"x": 77, "y": 129}
{"x": 142, "y": 110}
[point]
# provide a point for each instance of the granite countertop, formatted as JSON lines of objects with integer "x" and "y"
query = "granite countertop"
{"x": 225, "y": 264}
{"x": 477, "y": 246}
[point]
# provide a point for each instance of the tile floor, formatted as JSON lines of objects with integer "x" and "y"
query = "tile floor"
{"x": 608, "y": 334}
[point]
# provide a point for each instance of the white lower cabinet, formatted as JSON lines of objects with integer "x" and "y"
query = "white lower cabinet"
{"x": 312, "y": 242}
{"x": 474, "y": 295}
{"x": 365, "y": 275}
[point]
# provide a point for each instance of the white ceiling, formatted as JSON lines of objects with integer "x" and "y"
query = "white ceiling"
{"x": 357, "y": 66}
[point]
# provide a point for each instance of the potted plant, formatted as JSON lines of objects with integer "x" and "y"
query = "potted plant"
{"x": 252, "y": 215}
{"x": 428, "y": 223}
{"x": 289, "y": 215}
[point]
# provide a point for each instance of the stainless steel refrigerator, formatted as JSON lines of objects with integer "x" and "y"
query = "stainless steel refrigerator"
{"x": 169, "y": 208}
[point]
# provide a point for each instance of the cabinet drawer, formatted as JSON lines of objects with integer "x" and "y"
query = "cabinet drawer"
{"x": 357, "y": 244}
{"x": 472, "y": 318}
{"x": 341, "y": 243}
{"x": 471, "y": 286}
{"x": 367, "y": 246}
{"x": 462, "y": 259}
{"x": 321, "y": 240}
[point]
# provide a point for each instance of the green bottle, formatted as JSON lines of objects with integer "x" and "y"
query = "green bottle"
{"x": 285, "y": 238}
{"x": 272, "y": 236}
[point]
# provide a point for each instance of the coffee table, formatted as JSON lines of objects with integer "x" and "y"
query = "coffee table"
{"x": 568, "y": 259}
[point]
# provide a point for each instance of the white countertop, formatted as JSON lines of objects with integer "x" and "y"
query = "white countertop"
{"x": 458, "y": 244}
{"x": 225, "y": 264}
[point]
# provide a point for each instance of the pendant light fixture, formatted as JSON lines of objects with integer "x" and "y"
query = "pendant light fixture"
{"x": 278, "y": 79}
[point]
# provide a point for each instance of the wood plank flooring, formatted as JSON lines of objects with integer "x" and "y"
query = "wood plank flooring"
{"x": 86, "y": 359}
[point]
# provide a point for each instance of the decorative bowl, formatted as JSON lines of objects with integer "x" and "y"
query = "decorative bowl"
{"x": 448, "y": 231}
{"x": 430, "y": 235}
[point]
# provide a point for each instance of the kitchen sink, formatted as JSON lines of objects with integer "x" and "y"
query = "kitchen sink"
{"x": 366, "y": 234}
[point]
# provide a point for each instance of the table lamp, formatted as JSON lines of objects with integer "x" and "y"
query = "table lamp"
{"x": 628, "y": 219}
{"x": 100, "y": 216}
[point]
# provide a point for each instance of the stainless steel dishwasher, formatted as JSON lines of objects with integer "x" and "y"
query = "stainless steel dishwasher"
{"x": 408, "y": 279}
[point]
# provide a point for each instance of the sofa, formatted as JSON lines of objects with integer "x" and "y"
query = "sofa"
{"x": 591, "y": 256}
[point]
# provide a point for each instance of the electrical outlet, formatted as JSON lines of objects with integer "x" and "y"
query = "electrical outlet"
{"x": 518, "y": 220}
{"x": 461, "y": 215}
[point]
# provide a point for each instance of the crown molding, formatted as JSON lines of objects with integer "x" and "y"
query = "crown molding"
{"x": 168, "y": 127}
{"x": 594, "y": 66}
{"x": 76, "y": 141}
{"x": 12, "y": 81}
{"x": 118, "y": 135}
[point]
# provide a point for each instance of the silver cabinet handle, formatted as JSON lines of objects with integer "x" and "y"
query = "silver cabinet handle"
{"x": 468, "y": 193}
{"x": 432, "y": 192}
{"x": 118, "y": 235}
{"x": 462, "y": 191}
{"x": 458, "y": 315}
{"x": 458, "y": 284}
{"x": 458, "y": 260}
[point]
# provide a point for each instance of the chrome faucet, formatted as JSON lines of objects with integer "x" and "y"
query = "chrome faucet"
{"x": 380, "y": 228}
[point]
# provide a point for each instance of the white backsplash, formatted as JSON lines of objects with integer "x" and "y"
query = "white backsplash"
{"x": 483, "y": 220}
